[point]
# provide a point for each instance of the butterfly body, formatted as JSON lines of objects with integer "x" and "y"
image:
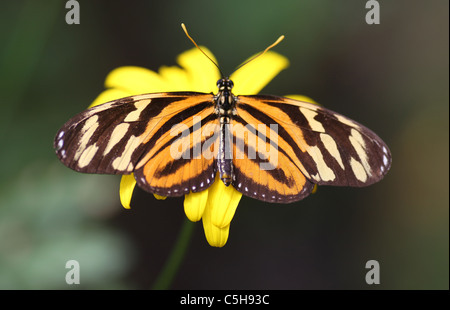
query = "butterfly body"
{"x": 225, "y": 108}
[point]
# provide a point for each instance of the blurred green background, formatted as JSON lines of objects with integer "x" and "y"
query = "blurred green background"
{"x": 392, "y": 77}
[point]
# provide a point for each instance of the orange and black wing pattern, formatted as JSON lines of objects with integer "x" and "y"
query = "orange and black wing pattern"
{"x": 301, "y": 144}
{"x": 280, "y": 147}
{"x": 139, "y": 134}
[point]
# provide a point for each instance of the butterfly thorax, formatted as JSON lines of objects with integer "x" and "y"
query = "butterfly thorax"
{"x": 225, "y": 108}
{"x": 225, "y": 101}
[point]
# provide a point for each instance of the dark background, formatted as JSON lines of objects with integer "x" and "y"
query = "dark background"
{"x": 392, "y": 77}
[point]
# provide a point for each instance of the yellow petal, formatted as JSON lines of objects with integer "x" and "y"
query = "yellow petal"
{"x": 127, "y": 184}
{"x": 109, "y": 95}
{"x": 252, "y": 77}
{"x": 194, "y": 205}
{"x": 216, "y": 236}
{"x": 202, "y": 73}
{"x": 176, "y": 79}
{"x": 159, "y": 197}
{"x": 219, "y": 211}
{"x": 135, "y": 80}
{"x": 222, "y": 201}
{"x": 301, "y": 98}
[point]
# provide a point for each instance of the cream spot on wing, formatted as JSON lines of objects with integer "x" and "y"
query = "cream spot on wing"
{"x": 316, "y": 177}
{"x": 87, "y": 155}
{"x": 359, "y": 145}
{"x": 140, "y": 106}
{"x": 358, "y": 170}
{"x": 90, "y": 126}
{"x": 101, "y": 107}
{"x": 313, "y": 123}
{"x": 332, "y": 148}
{"x": 130, "y": 167}
{"x": 117, "y": 135}
{"x": 123, "y": 162}
{"x": 325, "y": 173}
{"x": 346, "y": 121}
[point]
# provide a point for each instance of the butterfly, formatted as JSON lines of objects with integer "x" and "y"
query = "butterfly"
{"x": 270, "y": 148}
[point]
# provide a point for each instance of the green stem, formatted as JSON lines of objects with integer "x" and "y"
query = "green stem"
{"x": 170, "y": 269}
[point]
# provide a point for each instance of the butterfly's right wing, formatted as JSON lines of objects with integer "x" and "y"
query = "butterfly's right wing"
{"x": 311, "y": 145}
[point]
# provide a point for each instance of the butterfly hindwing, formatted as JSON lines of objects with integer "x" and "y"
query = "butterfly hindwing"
{"x": 133, "y": 134}
{"x": 260, "y": 169}
{"x": 184, "y": 161}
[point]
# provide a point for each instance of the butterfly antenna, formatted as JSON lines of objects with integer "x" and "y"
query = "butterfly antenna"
{"x": 190, "y": 38}
{"x": 261, "y": 53}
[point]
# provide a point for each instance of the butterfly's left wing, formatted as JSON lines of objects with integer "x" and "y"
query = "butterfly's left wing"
{"x": 135, "y": 134}
{"x": 314, "y": 146}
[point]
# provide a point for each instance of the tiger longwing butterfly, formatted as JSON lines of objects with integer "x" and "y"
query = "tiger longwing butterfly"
{"x": 227, "y": 135}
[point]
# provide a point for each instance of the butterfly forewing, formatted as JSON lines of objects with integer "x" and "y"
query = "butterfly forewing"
{"x": 134, "y": 134}
{"x": 328, "y": 148}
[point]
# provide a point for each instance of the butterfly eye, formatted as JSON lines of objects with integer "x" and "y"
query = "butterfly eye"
{"x": 219, "y": 82}
{"x": 230, "y": 84}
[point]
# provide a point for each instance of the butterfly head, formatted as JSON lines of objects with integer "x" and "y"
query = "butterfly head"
{"x": 225, "y": 84}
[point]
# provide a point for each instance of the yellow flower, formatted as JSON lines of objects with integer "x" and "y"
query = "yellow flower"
{"x": 216, "y": 205}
